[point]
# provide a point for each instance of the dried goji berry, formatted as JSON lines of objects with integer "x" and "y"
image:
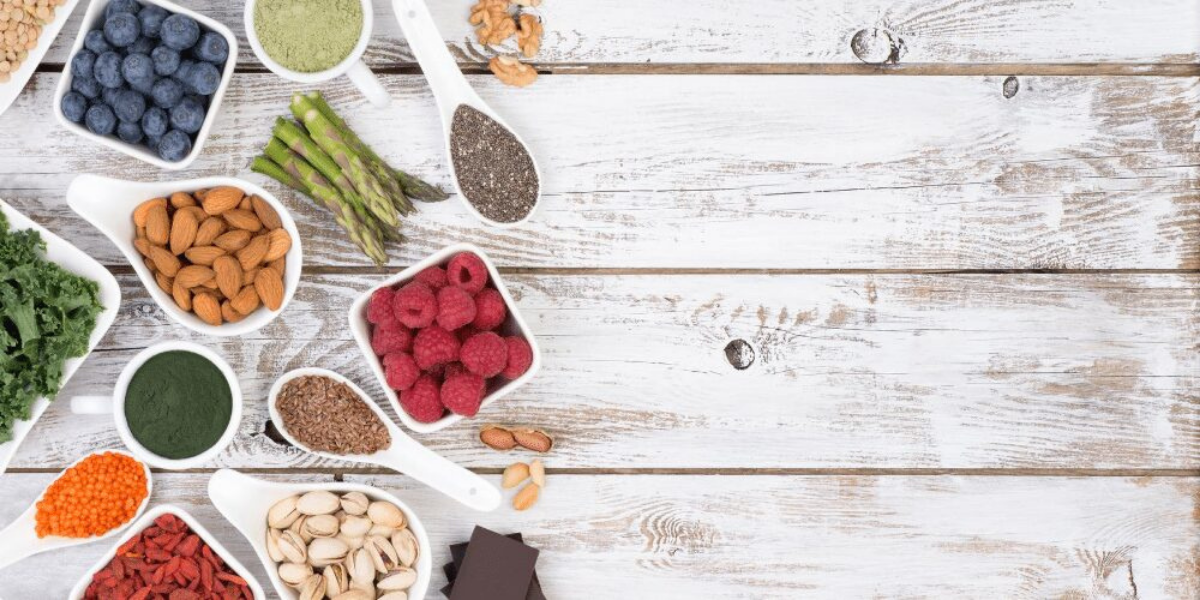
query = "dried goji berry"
{"x": 231, "y": 578}
{"x": 189, "y": 546}
{"x": 141, "y": 594}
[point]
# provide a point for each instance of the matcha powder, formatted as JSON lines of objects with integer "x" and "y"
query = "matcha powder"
{"x": 178, "y": 404}
{"x": 308, "y": 35}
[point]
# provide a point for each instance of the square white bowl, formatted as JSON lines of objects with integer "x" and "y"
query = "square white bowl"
{"x": 513, "y": 325}
{"x": 146, "y": 521}
{"x": 91, "y": 18}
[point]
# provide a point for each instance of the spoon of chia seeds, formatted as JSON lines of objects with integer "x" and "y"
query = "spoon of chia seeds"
{"x": 491, "y": 166}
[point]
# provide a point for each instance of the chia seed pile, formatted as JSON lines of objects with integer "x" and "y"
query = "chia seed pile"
{"x": 494, "y": 170}
{"x": 327, "y": 416}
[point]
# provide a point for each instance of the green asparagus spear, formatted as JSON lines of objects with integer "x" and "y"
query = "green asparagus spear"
{"x": 265, "y": 166}
{"x": 295, "y": 137}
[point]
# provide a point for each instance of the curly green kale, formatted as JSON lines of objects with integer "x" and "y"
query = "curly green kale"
{"x": 47, "y": 315}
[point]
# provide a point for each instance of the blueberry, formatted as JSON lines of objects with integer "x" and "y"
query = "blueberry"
{"x": 137, "y": 68}
{"x": 100, "y": 119}
{"x": 188, "y": 115}
{"x": 143, "y": 45}
{"x": 166, "y": 60}
{"x": 94, "y": 41}
{"x": 155, "y": 122}
{"x": 174, "y": 146}
{"x": 129, "y": 132}
{"x": 108, "y": 70}
{"x": 166, "y": 92}
{"x": 152, "y": 18}
{"x": 121, "y": 6}
{"x": 212, "y": 48}
{"x": 109, "y": 95}
{"x": 152, "y": 142}
{"x": 129, "y": 106}
{"x": 122, "y": 29}
{"x": 74, "y": 105}
{"x": 144, "y": 87}
{"x": 83, "y": 62}
{"x": 86, "y": 85}
{"x": 204, "y": 79}
{"x": 179, "y": 32}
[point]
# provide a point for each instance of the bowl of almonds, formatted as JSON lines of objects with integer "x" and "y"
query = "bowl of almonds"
{"x": 220, "y": 255}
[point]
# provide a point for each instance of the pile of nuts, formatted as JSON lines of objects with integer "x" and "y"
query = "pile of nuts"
{"x": 344, "y": 548}
{"x": 518, "y": 472}
{"x": 21, "y": 23}
{"x": 495, "y": 22}
{"x": 219, "y": 253}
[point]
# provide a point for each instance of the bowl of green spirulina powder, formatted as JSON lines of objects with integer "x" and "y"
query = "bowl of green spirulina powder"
{"x": 307, "y": 37}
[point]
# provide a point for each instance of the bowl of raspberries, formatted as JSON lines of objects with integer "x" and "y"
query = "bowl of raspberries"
{"x": 146, "y": 78}
{"x": 444, "y": 338}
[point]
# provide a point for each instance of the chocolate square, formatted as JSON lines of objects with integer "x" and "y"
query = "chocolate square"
{"x": 459, "y": 551}
{"x": 494, "y": 568}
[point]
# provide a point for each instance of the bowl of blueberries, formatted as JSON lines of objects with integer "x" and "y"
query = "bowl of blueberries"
{"x": 146, "y": 78}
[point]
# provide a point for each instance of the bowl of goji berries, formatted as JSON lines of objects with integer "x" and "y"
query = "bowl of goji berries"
{"x": 444, "y": 338}
{"x": 167, "y": 553}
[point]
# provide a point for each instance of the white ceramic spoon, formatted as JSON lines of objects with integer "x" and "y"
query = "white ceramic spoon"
{"x": 19, "y": 540}
{"x": 405, "y": 454}
{"x": 450, "y": 88}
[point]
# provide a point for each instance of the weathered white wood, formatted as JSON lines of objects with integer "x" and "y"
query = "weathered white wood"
{"x": 808, "y": 31}
{"x": 651, "y": 536}
{"x": 889, "y": 371}
{"x": 745, "y": 171}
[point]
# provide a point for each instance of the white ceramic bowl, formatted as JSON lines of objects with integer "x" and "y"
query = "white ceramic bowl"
{"x": 109, "y": 203}
{"x": 245, "y": 500}
{"x": 9, "y": 91}
{"x": 513, "y": 325}
{"x": 91, "y": 19}
{"x": 146, "y": 521}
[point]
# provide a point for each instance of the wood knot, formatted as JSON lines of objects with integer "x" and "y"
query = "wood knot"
{"x": 1011, "y": 87}
{"x": 878, "y": 46}
{"x": 273, "y": 434}
{"x": 740, "y": 354}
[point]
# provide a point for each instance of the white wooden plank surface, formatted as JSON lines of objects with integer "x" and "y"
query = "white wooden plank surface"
{"x": 888, "y": 371}
{"x": 809, "y": 31}
{"x": 747, "y": 171}
{"x": 650, "y": 536}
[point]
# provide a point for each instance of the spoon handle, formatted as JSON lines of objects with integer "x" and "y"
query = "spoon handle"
{"x": 450, "y": 87}
{"x": 440, "y": 473}
{"x": 18, "y": 541}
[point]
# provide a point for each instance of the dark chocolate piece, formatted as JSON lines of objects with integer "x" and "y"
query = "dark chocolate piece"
{"x": 459, "y": 551}
{"x": 494, "y": 568}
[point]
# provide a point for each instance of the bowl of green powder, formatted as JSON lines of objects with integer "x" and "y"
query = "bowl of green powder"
{"x": 177, "y": 405}
{"x": 312, "y": 41}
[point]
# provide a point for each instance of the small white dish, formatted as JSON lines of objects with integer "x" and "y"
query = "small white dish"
{"x": 115, "y": 405}
{"x": 91, "y": 19}
{"x": 513, "y": 325}
{"x": 108, "y": 204}
{"x": 19, "y": 540}
{"x": 405, "y": 455}
{"x": 76, "y": 261}
{"x": 145, "y": 522}
{"x": 352, "y": 66}
{"x": 10, "y": 90}
{"x": 245, "y": 500}
{"x": 451, "y": 89}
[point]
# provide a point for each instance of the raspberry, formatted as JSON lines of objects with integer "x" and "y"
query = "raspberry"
{"x": 468, "y": 272}
{"x": 455, "y": 308}
{"x": 434, "y": 346}
{"x": 400, "y": 370}
{"x": 379, "y": 309}
{"x": 385, "y": 340}
{"x": 415, "y": 305}
{"x": 422, "y": 401}
{"x": 453, "y": 368}
{"x": 463, "y": 393}
{"x": 520, "y": 357}
{"x": 490, "y": 311}
{"x": 434, "y": 277}
{"x": 485, "y": 355}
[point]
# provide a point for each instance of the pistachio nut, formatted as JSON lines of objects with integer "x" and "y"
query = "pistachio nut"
{"x": 283, "y": 513}
{"x": 292, "y": 547}
{"x": 381, "y": 530}
{"x": 401, "y": 579}
{"x": 356, "y": 526}
{"x": 393, "y": 596}
{"x": 298, "y": 529}
{"x": 313, "y": 588}
{"x": 387, "y": 514}
{"x": 383, "y": 555}
{"x": 294, "y": 574}
{"x": 336, "y": 579}
{"x": 352, "y": 542}
{"x": 273, "y": 545}
{"x": 356, "y": 594}
{"x": 360, "y": 568}
{"x": 326, "y": 551}
{"x": 405, "y": 544}
{"x": 321, "y": 526}
{"x": 318, "y": 502}
{"x": 355, "y": 503}
{"x": 365, "y": 585}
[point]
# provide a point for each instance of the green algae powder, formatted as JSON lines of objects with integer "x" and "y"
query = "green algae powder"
{"x": 308, "y": 36}
{"x": 178, "y": 404}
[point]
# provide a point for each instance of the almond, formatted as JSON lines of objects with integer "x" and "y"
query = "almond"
{"x": 248, "y": 276}
{"x": 279, "y": 264}
{"x": 242, "y": 219}
{"x": 246, "y": 301}
{"x": 252, "y": 255}
{"x": 532, "y": 439}
{"x": 211, "y": 284}
{"x": 150, "y": 265}
{"x": 245, "y": 204}
{"x": 182, "y": 199}
{"x": 206, "y": 306}
{"x": 166, "y": 284}
{"x": 143, "y": 210}
{"x": 232, "y": 241}
{"x": 497, "y": 438}
{"x": 221, "y": 199}
{"x": 229, "y": 313}
{"x": 158, "y": 225}
{"x": 183, "y": 296}
{"x": 203, "y": 255}
{"x": 280, "y": 243}
{"x": 193, "y": 275}
{"x": 269, "y": 285}
{"x": 183, "y": 231}
{"x": 229, "y": 275}
{"x": 537, "y": 472}
{"x": 142, "y": 246}
{"x": 514, "y": 475}
{"x": 266, "y": 213}
{"x": 209, "y": 229}
{"x": 527, "y": 497}
{"x": 164, "y": 261}
{"x": 200, "y": 193}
